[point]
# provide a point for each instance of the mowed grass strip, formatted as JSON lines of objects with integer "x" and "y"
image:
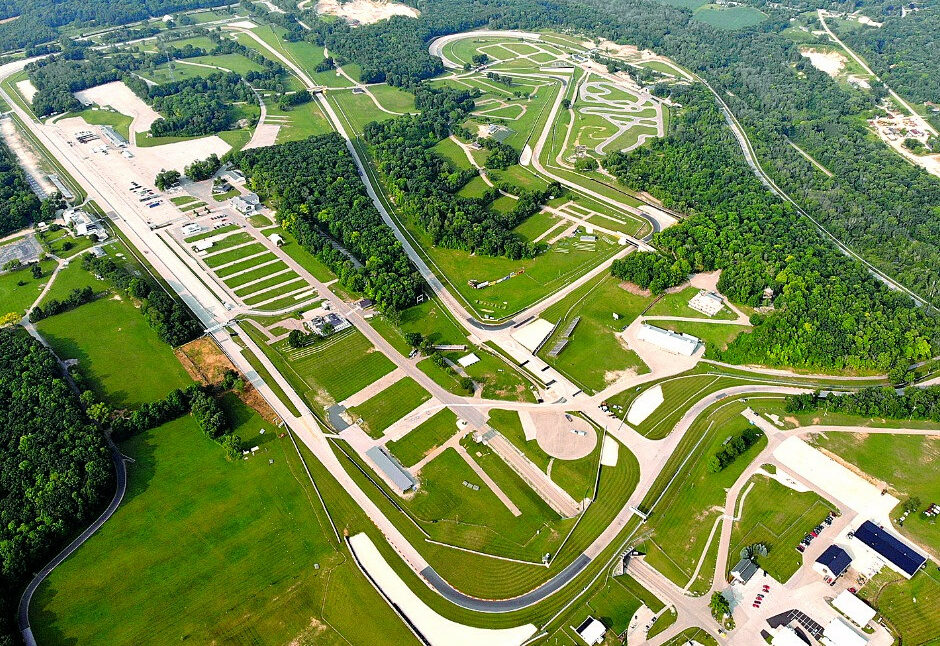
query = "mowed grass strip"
{"x": 339, "y": 367}
{"x": 296, "y": 285}
{"x": 778, "y": 517}
{"x": 429, "y": 435}
{"x": 213, "y": 232}
{"x": 232, "y": 255}
{"x": 244, "y": 265}
{"x": 230, "y": 241}
{"x": 390, "y": 405}
{"x": 279, "y": 279}
{"x": 125, "y": 362}
{"x": 910, "y": 605}
{"x": 288, "y": 302}
{"x": 255, "y": 274}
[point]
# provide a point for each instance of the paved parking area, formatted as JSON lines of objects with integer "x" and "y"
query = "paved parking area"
{"x": 25, "y": 249}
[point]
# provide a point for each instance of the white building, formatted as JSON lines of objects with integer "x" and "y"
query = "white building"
{"x": 839, "y": 633}
{"x": 591, "y": 631}
{"x": 276, "y": 239}
{"x": 202, "y": 245}
{"x": 707, "y": 303}
{"x": 786, "y": 636}
{"x": 675, "y": 342}
{"x": 247, "y": 203}
{"x": 857, "y": 611}
{"x": 191, "y": 229}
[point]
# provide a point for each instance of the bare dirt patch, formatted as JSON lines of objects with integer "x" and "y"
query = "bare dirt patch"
{"x": 204, "y": 361}
{"x": 566, "y": 437}
{"x": 634, "y": 289}
{"x": 365, "y": 12}
{"x": 829, "y": 62}
{"x": 27, "y": 89}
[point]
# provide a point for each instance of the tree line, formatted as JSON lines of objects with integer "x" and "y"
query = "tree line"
{"x": 18, "y": 204}
{"x": 910, "y": 403}
{"x": 318, "y": 195}
{"x": 55, "y": 469}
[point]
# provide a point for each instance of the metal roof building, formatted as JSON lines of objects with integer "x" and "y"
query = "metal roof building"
{"x": 393, "y": 471}
{"x": 833, "y": 562}
{"x": 675, "y": 342}
{"x": 744, "y": 570}
{"x": 894, "y": 552}
{"x": 839, "y": 633}
{"x": 858, "y": 612}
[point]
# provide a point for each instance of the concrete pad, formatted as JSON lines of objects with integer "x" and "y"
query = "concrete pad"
{"x": 562, "y": 436}
{"x": 531, "y": 335}
{"x": 120, "y": 97}
{"x": 435, "y": 628}
{"x": 27, "y": 89}
{"x": 644, "y": 405}
{"x": 609, "y": 452}
{"x": 837, "y": 481}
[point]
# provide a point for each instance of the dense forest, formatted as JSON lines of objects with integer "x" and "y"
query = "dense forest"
{"x": 18, "y": 204}
{"x": 37, "y": 21}
{"x": 829, "y": 312}
{"x": 198, "y": 106}
{"x": 316, "y": 190}
{"x": 55, "y": 469}
{"x": 424, "y": 184}
{"x": 910, "y": 403}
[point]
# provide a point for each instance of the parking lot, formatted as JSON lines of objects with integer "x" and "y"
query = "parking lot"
{"x": 25, "y": 249}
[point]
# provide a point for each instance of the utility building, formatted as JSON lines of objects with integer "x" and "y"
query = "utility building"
{"x": 675, "y": 342}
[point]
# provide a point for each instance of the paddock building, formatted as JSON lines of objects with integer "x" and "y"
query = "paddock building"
{"x": 675, "y": 342}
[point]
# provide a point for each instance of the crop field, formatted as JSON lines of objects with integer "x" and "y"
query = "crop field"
{"x": 684, "y": 517}
{"x": 595, "y": 356}
{"x": 677, "y": 304}
{"x": 390, "y": 405}
{"x": 778, "y": 517}
{"x": 899, "y": 460}
{"x": 424, "y": 438}
{"x": 125, "y": 362}
{"x": 232, "y": 564}
{"x": 909, "y": 605}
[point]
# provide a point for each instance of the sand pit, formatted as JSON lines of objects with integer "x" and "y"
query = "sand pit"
{"x": 644, "y": 405}
{"x": 609, "y": 452}
{"x": 563, "y": 436}
{"x": 829, "y": 62}
{"x": 242, "y": 24}
{"x": 27, "y": 89}
{"x": 118, "y": 96}
{"x": 435, "y": 628}
{"x": 365, "y": 12}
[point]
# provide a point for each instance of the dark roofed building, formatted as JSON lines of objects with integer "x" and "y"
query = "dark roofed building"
{"x": 897, "y": 554}
{"x": 394, "y": 472}
{"x": 744, "y": 570}
{"x": 833, "y": 562}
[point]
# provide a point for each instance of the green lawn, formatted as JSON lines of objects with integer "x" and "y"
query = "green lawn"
{"x": 69, "y": 278}
{"x": 295, "y": 287}
{"x": 248, "y": 264}
{"x": 427, "y": 436}
{"x": 909, "y": 605}
{"x": 449, "y": 149}
{"x": 714, "y": 335}
{"x": 684, "y": 516}
{"x": 205, "y": 550}
{"x": 595, "y": 355}
{"x": 393, "y": 98}
{"x": 15, "y": 297}
{"x": 303, "y": 257}
{"x": 387, "y": 407}
{"x": 104, "y": 117}
{"x": 678, "y": 305}
{"x": 778, "y": 517}
{"x": 123, "y": 359}
{"x": 904, "y": 462}
{"x": 299, "y": 122}
{"x": 617, "y": 601}
{"x": 211, "y": 233}
{"x": 279, "y": 279}
{"x": 359, "y": 109}
{"x": 730, "y": 18}
{"x": 225, "y": 257}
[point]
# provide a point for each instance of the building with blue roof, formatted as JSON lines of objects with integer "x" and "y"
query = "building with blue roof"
{"x": 833, "y": 563}
{"x": 896, "y": 554}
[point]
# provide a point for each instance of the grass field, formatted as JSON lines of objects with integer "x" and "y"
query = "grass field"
{"x": 225, "y": 257}
{"x": 618, "y": 600}
{"x": 684, "y": 516}
{"x": 778, "y": 517}
{"x": 904, "y": 462}
{"x": 678, "y": 305}
{"x": 714, "y": 335}
{"x": 330, "y": 371}
{"x": 390, "y": 405}
{"x": 69, "y": 278}
{"x": 730, "y": 18}
{"x": 909, "y": 605}
{"x": 359, "y": 109}
{"x": 595, "y": 355}
{"x": 233, "y": 564}
{"x": 15, "y": 297}
{"x": 424, "y": 438}
{"x": 299, "y": 122}
{"x": 123, "y": 359}
{"x": 103, "y": 117}
{"x": 449, "y": 149}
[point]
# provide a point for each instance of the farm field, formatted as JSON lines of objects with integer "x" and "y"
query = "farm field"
{"x": 214, "y": 560}
{"x": 595, "y": 356}
{"x": 124, "y": 361}
{"x": 390, "y": 405}
{"x": 777, "y": 517}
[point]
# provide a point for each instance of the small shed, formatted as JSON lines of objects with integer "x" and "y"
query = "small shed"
{"x": 276, "y": 239}
{"x": 744, "y": 570}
